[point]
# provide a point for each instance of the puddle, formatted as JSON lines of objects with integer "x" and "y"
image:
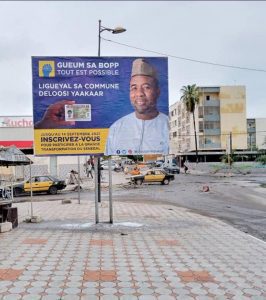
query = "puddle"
{"x": 128, "y": 224}
{"x": 77, "y": 225}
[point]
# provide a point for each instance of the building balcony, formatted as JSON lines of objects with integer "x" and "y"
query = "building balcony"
{"x": 210, "y": 146}
{"x": 251, "y": 130}
{"x": 212, "y": 131}
{"x": 214, "y": 117}
{"x": 211, "y": 102}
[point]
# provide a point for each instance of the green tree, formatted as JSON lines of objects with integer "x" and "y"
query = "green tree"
{"x": 190, "y": 96}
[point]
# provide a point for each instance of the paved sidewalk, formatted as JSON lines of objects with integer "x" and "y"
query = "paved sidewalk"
{"x": 150, "y": 252}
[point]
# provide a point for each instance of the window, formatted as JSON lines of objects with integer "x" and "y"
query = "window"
{"x": 200, "y": 112}
{"x": 208, "y": 97}
{"x": 157, "y": 172}
{"x": 174, "y": 134}
{"x": 200, "y": 126}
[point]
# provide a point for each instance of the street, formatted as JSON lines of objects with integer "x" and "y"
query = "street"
{"x": 238, "y": 200}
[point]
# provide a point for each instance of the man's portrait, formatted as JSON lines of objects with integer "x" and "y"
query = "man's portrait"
{"x": 146, "y": 130}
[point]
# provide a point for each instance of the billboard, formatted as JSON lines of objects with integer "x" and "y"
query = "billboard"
{"x": 100, "y": 105}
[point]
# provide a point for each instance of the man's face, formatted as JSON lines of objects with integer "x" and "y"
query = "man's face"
{"x": 143, "y": 94}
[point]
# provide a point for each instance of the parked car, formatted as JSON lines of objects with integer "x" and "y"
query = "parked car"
{"x": 159, "y": 163}
{"x": 156, "y": 175}
{"x": 46, "y": 183}
{"x": 172, "y": 169}
{"x": 105, "y": 165}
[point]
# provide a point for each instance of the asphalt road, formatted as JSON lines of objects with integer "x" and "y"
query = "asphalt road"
{"x": 239, "y": 200}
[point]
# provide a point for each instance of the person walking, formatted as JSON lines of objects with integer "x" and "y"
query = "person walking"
{"x": 89, "y": 170}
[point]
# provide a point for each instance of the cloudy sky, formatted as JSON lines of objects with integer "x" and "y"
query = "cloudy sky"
{"x": 228, "y": 33}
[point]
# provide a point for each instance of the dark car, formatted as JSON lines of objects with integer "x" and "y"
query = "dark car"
{"x": 156, "y": 175}
{"x": 173, "y": 169}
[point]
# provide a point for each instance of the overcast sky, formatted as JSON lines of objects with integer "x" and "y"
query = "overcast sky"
{"x": 230, "y": 33}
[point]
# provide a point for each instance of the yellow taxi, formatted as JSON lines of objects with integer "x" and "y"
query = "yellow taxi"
{"x": 47, "y": 184}
{"x": 154, "y": 175}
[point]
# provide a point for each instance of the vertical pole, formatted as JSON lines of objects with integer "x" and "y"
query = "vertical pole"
{"x": 96, "y": 190}
{"x": 99, "y": 39}
{"x": 230, "y": 139}
{"x": 31, "y": 204}
{"x": 78, "y": 180}
{"x": 98, "y": 166}
{"x": 12, "y": 192}
{"x": 110, "y": 190}
{"x": 99, "y": 178}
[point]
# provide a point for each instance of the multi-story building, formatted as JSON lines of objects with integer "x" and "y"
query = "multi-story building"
{"x": 18, "y": 131}
{"x": 221, "y": 111}
{"x": 256, "y": 134}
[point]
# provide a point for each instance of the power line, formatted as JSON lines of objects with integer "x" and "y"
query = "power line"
{"x": 261, "y": 133}
{"x": 187, "y": 59}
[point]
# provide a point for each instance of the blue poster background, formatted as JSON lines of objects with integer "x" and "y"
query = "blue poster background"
{"x": 106, "y": 109}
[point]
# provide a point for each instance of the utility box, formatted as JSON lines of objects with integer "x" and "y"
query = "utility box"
{"x": 5, "y": 227}
{"x": 10, "y": 214}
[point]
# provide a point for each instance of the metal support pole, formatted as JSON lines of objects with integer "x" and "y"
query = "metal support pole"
{"x": 110, "y": 190}
{"x": 99, "y": 179}
{"x": 31, "y": 200}
{"x": 99, "y": 39}
{"x": 96, "y": 190}
{"x": 98, "y": 165}
{"x": 231, "y": 149}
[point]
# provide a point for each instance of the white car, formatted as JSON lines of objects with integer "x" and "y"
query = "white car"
{"x": 105, "y": 165}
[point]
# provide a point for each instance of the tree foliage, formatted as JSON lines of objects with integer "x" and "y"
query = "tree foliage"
{"x": 190, "y": 96}
{"x": 261, "y": 159}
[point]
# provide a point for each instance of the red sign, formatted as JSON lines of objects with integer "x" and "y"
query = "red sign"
{"x": 18, "y": 144}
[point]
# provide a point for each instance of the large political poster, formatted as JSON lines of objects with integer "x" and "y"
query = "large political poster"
{"x": 100, "y": 105}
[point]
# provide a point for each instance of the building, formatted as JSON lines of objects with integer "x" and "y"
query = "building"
{"x": 18, "y": 131}
{"x": 221, "y": 111}
{"x": 256, "y": 134}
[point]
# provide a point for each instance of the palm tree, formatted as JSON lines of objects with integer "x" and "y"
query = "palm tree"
{"x": 190, "y": 96}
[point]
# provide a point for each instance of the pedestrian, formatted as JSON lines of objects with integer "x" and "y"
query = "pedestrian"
{"x": 185, "y": 169}
{"x": 89, "y": 170}
{"x": 71, "y": 177}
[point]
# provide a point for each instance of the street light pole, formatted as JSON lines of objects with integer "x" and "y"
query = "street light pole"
{"x": 99, "y": 38}
{"x": 115, "y": 30}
